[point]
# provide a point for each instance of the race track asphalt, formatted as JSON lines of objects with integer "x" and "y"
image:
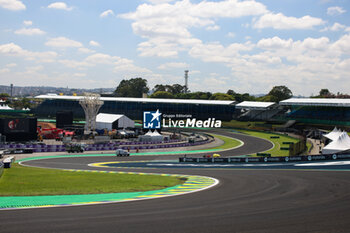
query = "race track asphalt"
{"x": 246, "y": 200}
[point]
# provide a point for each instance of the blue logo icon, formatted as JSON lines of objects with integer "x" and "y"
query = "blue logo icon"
{"x": 151, "y": 120}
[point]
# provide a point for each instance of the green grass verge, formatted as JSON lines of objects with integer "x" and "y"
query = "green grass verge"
{"x": 276, "y": 150}
{"x": 258, "y": 125}
{"x": 26, "y": 181}
{"x": 228, "y": 142}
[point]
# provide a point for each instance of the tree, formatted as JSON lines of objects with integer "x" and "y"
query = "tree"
{"x": 160, "y": 87}
{"x": 4, "y": 95}
{"x": 134, "y": 87}
{"x": 173, "y": 89}
{"x": 21, "y": 103}
{"x": 162, "y": 94}
{"x": 231, "y": 92}
{"x": 221, "y": 96}
{"x": 194, "y": 95}
{"x": 325, "y": 93}
{"x": 280, "y": 93}
{"x": 266, "y": 98}
{"x": 177, "y": 89}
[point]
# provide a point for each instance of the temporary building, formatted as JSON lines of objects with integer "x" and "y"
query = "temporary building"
{"x": 113, "y": 121}
{"x": 342, "y": 143}
{"x": 334, "y": 134}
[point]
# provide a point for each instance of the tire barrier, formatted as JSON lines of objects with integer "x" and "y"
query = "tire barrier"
{"x": 265, "y": 159}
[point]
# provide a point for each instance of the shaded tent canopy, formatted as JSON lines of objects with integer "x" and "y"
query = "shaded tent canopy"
{"x": 334, "y": 134}
{"x": 151, "y": 137}
{"x": 342, "y": 143}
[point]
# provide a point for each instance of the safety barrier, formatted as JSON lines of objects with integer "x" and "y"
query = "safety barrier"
{"x": 265, "y": 159}
{"x": 21, "y": 148}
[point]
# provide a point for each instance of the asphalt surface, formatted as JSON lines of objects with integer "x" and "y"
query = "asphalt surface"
{"x": 246, "y": 200}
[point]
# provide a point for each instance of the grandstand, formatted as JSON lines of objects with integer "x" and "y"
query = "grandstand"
{"x": 134, "y": 107}
{"x": 318, "y": 111}
{"x": 257, "y": 111}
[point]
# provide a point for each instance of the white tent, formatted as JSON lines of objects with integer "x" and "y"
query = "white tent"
{"x": 342, "y": 143}
{"x": 5, "y": 107}
{"x": 334, "y": 134}
{"x": 151, "y": 137}
{"x": 149, "y": 133}
{"x": 113, "y": 121}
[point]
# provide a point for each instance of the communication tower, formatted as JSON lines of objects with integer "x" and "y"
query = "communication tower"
{"x": 186, "y": 81}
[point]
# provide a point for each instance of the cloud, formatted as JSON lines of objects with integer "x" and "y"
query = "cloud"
{"x": 173, "y": 65}
{"x": 275, "y": 43}
{"x": 75, "y": 64}
{"x": 280, "y": 21}
{"x": 29, "y": 31}
{"x": 85, "y": 50}
{"x": 27, "y": 23}
{"x": 79, "y": 75}
{"x": 4, "y": 70}
{"x": 213, "y": 28}
{"x": 231, "y": 34}
{"x": 335, "y": 10}
{"x": 302, "y": 65}
{"x": 342, "y": 46}
{"x": 94, "y": 43}
{"x": 101, "y": 58}
{"x": 11, "y": 65}
{"x": 106, "y": 13}
{"x": 216, "y": 52}
{"x": 335, "y": 27}
{"x": 12, "y": 49}
{"x": 160, "y": 1}
{"x": 123, "y": 66}
{"x": 13, "y": 5}
{"x": 59, "y": 6}
{"x": 166, "y": 27}
{"x": 63, "y": 42}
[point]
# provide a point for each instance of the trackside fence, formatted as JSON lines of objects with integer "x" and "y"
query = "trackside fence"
{"x": 265, "y": 159}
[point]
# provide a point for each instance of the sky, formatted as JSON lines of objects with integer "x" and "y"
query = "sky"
{"x": 247, "y": 46}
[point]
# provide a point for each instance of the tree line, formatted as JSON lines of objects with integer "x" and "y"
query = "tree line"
{"x": 136, "y": 87}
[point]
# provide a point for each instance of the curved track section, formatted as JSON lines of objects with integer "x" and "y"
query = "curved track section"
{"x": 246, "y": 200}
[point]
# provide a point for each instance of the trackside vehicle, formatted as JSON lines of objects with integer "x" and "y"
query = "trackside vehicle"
{"x": 121, "y": 152}
{"x": 75, "y": 147}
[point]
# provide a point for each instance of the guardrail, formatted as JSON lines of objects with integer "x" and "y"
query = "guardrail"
{"x": 18, "y": 151}
{"x": 265, "y": 159}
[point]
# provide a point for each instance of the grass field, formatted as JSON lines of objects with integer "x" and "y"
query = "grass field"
{"x": 25, "y": 181}
{"x": 228, "y": 142}
{"x": 276, "y": 150}
{"x": 259, "y": 125}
